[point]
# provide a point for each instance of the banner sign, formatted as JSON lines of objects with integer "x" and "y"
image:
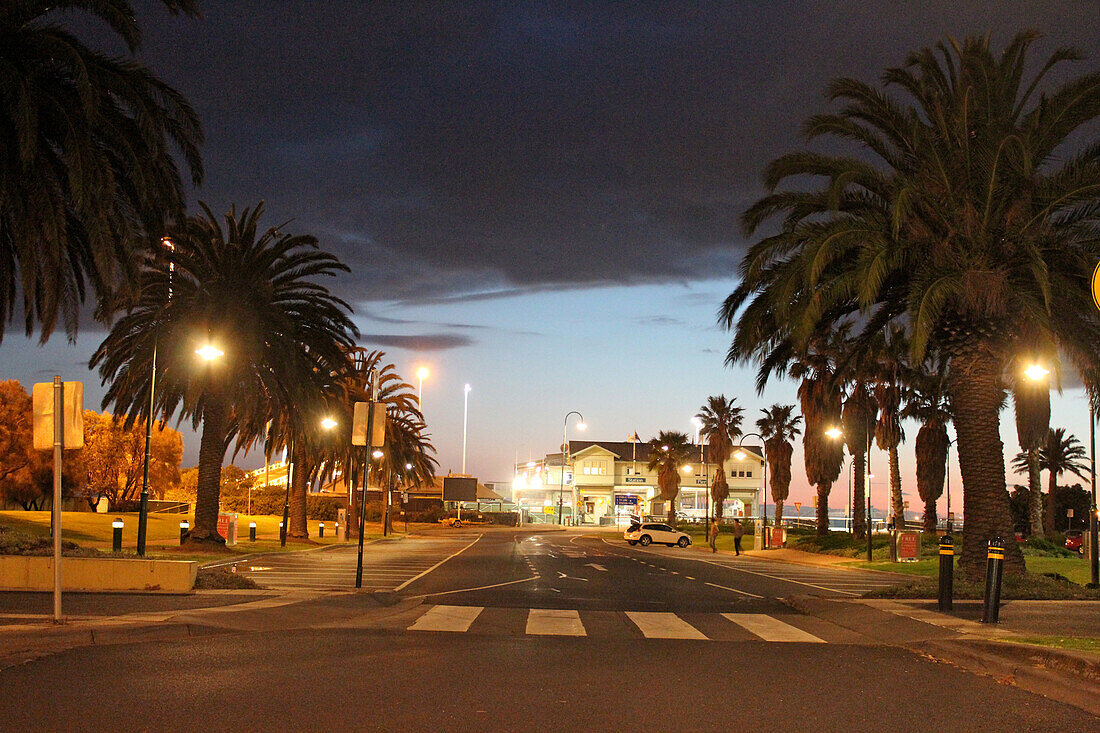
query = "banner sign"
{"x": 626, "y": 500}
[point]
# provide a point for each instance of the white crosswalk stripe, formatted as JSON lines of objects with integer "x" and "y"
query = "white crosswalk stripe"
{"x": 663, "y": 625}
{"x": 554, "y": 622}
{"x": 447, "y": 618}
{"x": 770, "y": 629}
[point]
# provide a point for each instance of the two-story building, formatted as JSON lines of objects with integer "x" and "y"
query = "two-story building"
{"x": 606, "y": 482}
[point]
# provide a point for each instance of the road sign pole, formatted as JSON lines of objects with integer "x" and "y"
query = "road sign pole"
{"x": 366, "y": 474}
{"x": 58, "y": 440}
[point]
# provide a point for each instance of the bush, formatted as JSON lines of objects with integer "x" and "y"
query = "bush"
{"x": 1043, "y": 547}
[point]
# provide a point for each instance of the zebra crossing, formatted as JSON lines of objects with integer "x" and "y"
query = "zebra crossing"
{"x": 390, "y": 565}
{"x": 785, "y": 628}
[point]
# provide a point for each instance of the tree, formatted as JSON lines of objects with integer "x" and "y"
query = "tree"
{"x": 86, "y": 169}
{"x": 16, "y": 456}
{"x": 1032, "y": 402}
{"x": 254, "y": 294}
{"x": 821, "y": 399}
{"x": 721, "y": 425}
{"x": 778, "y": 427}
{"x": 667, "y": 453}
{"x": 1060, "y": 453}
{"x": 962, "y": 217}
{"x": 888, "y": 390}
{"x": 927, "y": 403}
{"x": 114, "y": 459}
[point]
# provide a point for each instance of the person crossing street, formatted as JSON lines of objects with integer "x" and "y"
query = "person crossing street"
{"x": 712, "y": 534}
{"x": 738, "y": 533}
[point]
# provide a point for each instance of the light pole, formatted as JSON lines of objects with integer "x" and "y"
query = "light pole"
{"x": 465, "y": 415}
{"x": 1094, "y": 544}
{"x": 698, "y": 423}
{"x": 420, "y": 374}
{"x": 741, "y": 455}
{"x": 564, "y": 457}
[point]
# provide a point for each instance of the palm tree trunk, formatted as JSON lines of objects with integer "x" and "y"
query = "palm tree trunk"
{"x": 977, "y": 393}
{"x": 1035, "y": 494}
{"x": 823, "y": 490}
{"x": 859, "y": 500}
{"x": 778, "y": 512}
{"x": 930, "y": 518}
{"x": 298, "y": 527}
{"x": 208, "y": 491}
{"x": 1048, "y": 510}
{"x": 897, "y": 501}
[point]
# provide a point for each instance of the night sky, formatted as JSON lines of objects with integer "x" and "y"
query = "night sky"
{"x": 540, "y": 199}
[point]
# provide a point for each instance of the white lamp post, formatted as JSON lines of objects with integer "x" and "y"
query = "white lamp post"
{"x": 420, "y": 374}
{"x": 564, "y": 458}
{"x": 465, "y": 415}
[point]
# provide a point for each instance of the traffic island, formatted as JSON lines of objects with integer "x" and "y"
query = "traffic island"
{"x": 31, "y": 573}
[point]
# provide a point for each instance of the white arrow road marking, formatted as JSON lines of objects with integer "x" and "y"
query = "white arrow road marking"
{"x": 563, "y": 576}
{"x": 601, "y": 568}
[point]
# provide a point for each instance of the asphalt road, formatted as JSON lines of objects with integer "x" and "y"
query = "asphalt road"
{"x": 535, "y": 631}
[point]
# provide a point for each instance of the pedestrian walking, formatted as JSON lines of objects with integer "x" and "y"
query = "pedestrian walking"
{"x": 712, "y": 534}
{"x": 738, "y": 533}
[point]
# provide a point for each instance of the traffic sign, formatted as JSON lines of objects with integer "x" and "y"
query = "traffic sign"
{"x": 798, "y": 507}
{"x": 1096, "y": 285}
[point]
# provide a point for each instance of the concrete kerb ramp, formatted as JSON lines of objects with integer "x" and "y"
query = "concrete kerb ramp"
{"x": 35, "y": 573}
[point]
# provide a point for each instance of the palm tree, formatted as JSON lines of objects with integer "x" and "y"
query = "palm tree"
{"x": 778, "y": 428}
{"x": 888, "y": 390}
{"x": 667, "y": 453}
{"x": 1032, "y": 402}
{"x": 1060, "y": 453}
{"x": 963, "y": 218}
{"x": 87, "y": 175}
{"x": 254, "y": 295}
{"x": 721, "y": 425}
{"x": 926, "y": 402}
{"x": 821, "y": 399}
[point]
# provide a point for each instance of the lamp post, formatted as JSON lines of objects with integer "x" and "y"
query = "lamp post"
{"x": 698, "y": 423}
{"x": 465, "y": 415}
{"x": 143, "y": 511}
{"x": 1094, "y": 545}
{"x": 420, "y": 374}
{"x": 741, "y": 455}
{"x": 564, "y": 457}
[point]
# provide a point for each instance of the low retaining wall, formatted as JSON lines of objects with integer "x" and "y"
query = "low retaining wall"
{"x": 24, "y": 572}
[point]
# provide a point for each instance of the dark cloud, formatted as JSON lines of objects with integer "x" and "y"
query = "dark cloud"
{"x": 473, "y": 149}
{"x": 423, "y": 342}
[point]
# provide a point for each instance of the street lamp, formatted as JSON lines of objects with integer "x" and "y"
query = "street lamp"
{"x": 465, "y": 414}
{"x": 420, "y": 374}
{"x": 209, "y": 352}
{"x": 741, "y": 455}
{"x": 326, "y": 423}
{"x": 564, "y": 457}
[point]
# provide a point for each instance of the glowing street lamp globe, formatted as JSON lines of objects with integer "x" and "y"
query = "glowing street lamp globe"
{"x": 209, "y": 352}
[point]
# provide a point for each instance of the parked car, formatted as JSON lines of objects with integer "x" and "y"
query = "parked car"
{"x": 649, "y": 532}
{"x": 1075, "y": 540}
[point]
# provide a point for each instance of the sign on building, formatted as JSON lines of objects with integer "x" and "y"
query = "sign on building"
{"x": 459, "y": 488}
{"x": 626, "y": 500}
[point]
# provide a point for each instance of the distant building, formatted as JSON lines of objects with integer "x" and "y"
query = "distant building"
{"x": 605, "y": 482}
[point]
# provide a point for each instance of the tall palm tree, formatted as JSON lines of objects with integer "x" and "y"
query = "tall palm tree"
{"x": 963, "y": 217}
{"x": 888, "y": 390}
{"x": 1061, "y": 452}
{"x": 87, "y": 175}
{"x": 721, "y": 425}
{"x": 778, "y": 427}
{"x": 668, "y": 452}
{"x": 1032, "y": 402}
{"x": 821, "y": 399}
{"x": 252, "y": 293}
{"x": 926, "y": 401}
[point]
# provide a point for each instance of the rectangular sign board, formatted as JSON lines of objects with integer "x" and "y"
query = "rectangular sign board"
{"x": 908, "y": 546}
{"x": 626, "y": 500}
{"x": 359, "y": 424}
{"x": 72, "y": 407}
{"x": 458, "y": 488}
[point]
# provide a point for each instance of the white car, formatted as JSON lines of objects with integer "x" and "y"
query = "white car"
{"x": 650, "y": 532}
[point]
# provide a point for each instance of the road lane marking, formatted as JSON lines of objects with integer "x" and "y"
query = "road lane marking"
{"x": 601, "y": 568}
{"x": 663, "y": 625}
{"x": 480, "y": 587}
{"x": 554, "y": 622}
{"x": 433, "y": 567}
{"x": 771, "y": 629}
{"x": 735, "y": 590}
{"x": 447, "y": 618}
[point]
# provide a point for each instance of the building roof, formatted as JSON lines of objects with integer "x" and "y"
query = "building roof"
{"x": 626, "y": 451}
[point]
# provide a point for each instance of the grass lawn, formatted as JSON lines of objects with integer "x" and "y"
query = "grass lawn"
{"x": 1072, "y": 568}
{"x": 90, "y": 529}
{"x": 1081, "y": 644}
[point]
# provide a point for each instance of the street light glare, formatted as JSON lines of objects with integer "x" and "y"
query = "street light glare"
{"x": 422, "y": 372}
{"x": 328, "y": 423}
{"x": 582, "y": 426}
{"x": 687, "y": 469}
{"x": 377, "y": 454}
{"x": 1035, "y": 372}
{"x": 468, "y": 388}
{"x": 834, "y": 433}
{"x": 209, "y": 352}
{"x": 740, "y": 455}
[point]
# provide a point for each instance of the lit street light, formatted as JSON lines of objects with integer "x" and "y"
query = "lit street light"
{"x": 564, "y": 457}
{"x": 209, "y": 352}
{"x": 421, "y": 373}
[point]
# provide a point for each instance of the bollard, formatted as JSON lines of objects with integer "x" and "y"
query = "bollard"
{"x": 994, "y": 567}
{"x": 282, "y": 534}
{"x": 336, "y": 530}
{"x": 947, "y": 571}
{"x": 251, "y": 531}
{"x": 116, "y": 539}
{"x": 321, "y": 529}
{"x": 184, "y": 526}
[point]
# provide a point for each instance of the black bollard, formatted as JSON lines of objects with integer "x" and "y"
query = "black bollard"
{"x": 251, "y": 531}
{"x": 321, "y": 529}
{"x": 994, "y": 567}
{"x": 282, "y": 534}
{"x": 184, "y": 526}
{"x": 116, "y": 539}
{"x": 947, "y": 571}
